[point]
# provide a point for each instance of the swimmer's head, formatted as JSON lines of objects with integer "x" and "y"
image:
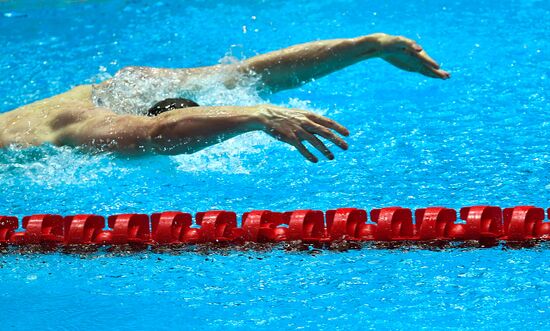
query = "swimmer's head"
{"x": 170, "y": 104}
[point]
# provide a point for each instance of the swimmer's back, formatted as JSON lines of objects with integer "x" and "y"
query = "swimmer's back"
{"x": 36, "y": 123}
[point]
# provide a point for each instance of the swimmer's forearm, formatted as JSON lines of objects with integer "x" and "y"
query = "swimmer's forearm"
{"x": 190, "y": 130}
{"x": 193, "y": 129}
{"x": 296, "y": 65}
{"x": 174, "y": 132}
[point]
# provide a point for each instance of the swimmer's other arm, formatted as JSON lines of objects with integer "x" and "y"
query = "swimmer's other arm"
{"x": 178, "y": 132}
{"x": 293, "y": 66}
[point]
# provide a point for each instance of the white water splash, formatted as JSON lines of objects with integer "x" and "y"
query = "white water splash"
{"x": 134, "y": 90}
{"x": 228, "y": 157}
{"x": 55, "y": 166}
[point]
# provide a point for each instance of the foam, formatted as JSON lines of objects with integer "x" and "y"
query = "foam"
{"x": 134, "y": 90}
{"x": 55, "y": 166}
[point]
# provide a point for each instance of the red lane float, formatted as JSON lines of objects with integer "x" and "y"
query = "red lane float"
{"x": 307, "y": 225}
{"x": 438, "y": 223}
{"x": 482, "y": 222}
{"x": 128, "y": 229}
{"x": 83, "y": 229}
{"x": 171, "y": 227}
{"x": 8, "y": 225}
{"x": 218, "y": 226}
{"x": 40, "y": 229}
{"x": 264, "y": 226}
{"x": 349, "y": 224}
{"x": 477, "y": 223}
{"x": 525, "y": 223}
{"x": 394, "y": 224}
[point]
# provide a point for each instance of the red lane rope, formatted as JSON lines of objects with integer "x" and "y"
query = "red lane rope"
{"x": 390, "y": 224}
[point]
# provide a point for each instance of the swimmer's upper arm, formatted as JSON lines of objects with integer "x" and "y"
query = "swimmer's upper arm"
{"x": 174, "y": 132}
{"x": 108, "y": 132}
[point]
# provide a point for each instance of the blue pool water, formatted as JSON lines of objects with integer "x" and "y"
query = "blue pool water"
{"x": 480, "y": 138}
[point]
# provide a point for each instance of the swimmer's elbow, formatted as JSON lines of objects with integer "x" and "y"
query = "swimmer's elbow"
{"x": 165, "y": 137}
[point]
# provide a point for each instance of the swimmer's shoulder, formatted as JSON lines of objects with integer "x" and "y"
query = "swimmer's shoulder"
{"x": 77, "y": 98}
{"x": 79, "y": 92}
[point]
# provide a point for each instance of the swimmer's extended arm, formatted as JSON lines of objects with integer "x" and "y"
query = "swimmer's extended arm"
{"x": 296, "y": 65}
{"x": 189, "y": 131}
{"x": 299, "y": 64}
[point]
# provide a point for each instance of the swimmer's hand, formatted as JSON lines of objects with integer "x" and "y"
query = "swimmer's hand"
{"x": 294, "y": 126}
{"x": 407, "y": 55}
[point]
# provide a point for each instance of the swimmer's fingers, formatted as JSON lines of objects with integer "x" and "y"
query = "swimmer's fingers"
{"x": 436, "y": 73}
{"x": 315, "y": 142}
{"x": 326, "y": 133}
{"x": 414, "y": 64}
{"x": 425, "y": 58}
{"x": 430, "y": 72}
{"x": 304, "y": 151}
{"x": 327, "y": 122}
{"x": 431, "y": 68}
{"x": 408, "y": 55}
{"x": 294, "y": 138}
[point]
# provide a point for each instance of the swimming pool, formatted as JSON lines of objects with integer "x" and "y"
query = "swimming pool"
{"x": 479, "y": 138}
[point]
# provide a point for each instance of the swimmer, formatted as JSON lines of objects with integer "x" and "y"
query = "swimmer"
{"x": 116, "y": 115}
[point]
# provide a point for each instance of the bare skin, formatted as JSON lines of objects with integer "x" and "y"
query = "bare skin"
{"x": 74, "y": 119}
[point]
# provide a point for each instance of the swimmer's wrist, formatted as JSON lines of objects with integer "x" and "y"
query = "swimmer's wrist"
{"x": 372, "y": 45}
{"x": 257, "y": 120}
{"x": 263, "y": 117}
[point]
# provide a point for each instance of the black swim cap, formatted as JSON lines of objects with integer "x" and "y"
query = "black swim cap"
{"x": 170, "y": 104}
